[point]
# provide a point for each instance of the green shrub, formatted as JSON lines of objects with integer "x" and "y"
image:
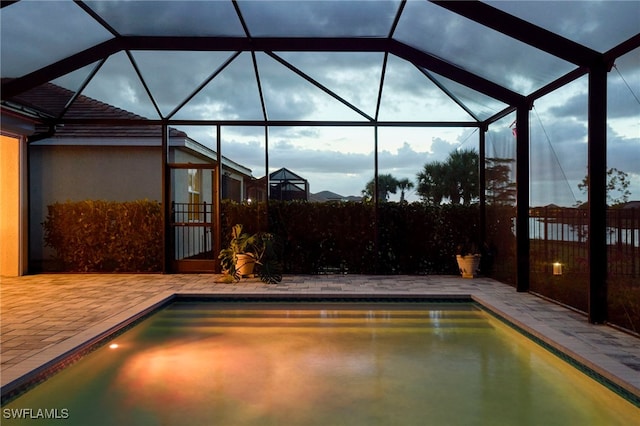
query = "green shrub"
{"x": 106, "y": 236}
{"x": 101, "y": 236}
{"x": 353, "y": 237}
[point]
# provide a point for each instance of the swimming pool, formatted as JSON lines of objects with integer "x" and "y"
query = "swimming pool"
{"x": 205, "y": 363}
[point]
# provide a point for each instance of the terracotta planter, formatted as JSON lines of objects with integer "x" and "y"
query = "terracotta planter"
{"x": 468, "y": 265}
{"x": 245, "y": 264}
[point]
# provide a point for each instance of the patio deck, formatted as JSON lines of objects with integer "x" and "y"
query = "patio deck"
{"x": 43, "y": 317}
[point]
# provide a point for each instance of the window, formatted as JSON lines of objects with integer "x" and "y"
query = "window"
{"x": 195, "y": 183}
{"x": 231, "y": 188}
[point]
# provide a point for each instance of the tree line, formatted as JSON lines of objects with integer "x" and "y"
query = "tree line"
{"x": 455, "y": 180}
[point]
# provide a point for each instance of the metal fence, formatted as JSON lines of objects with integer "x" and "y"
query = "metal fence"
{"x": 192, "y": 224}
{"x": 561, "y": 235}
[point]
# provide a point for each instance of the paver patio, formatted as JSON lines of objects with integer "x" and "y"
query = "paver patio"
{"x": 43, "y": 317}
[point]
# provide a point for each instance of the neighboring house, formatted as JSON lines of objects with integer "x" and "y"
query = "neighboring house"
{"x": 110, "y": 162}
{"x": 631, "y": 205}
{"x": 284, "y": 185}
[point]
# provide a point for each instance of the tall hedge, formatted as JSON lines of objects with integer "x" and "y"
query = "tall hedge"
{"x": 337, "y": 236}
{"x": 102, "y": 236}
{"x": 106, "y": 236}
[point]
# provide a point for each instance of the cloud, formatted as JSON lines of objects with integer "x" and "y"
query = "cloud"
{"x": 344, "y": 171}
{"x": 573, "y": 107}
{"x": 170, "y": 17}
{"x": 624, "y": 154}
{"x": 586, "y": 22}
{"x": 354, "y": 76}
{"x": 441, "y": 148}
{"x": 183, "y": 73}
{"x": 284, "y": 153}
{"x": 53, "y": 33}
{"x": 559, "y": 156}
{"x": 319, "y": 18}
{"x": 476, "y": 48}
{"x": 621, "y": 102}
{"x": 345, "y": 155}
{"x": 404, "y": 162}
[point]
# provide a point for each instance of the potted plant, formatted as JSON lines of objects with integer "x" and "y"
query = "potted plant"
{"x": 249, "y": 252}
{"x": 468, "y": 257}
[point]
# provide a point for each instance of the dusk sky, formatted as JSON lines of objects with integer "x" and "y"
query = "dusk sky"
{"x": 340, "y": 159}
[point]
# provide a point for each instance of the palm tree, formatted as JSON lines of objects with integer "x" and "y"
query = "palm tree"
{"x": 455, "y": 179}
{"x": 463, "y": 176}
{"x": 404, "y": 185}
{"x": 431, "y": 182}
{"x": 386, "y": 184}
{"x": 501, "y": 189}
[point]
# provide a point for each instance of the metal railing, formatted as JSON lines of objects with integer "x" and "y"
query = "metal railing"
{"x": 561, "y": 235}
{"x": 192, "y": 225}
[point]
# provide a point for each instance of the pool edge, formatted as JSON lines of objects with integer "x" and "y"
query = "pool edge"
{"x": 65, "y": 353}
{"x": 37, "y": 369}
{"x": 570, "y": 353}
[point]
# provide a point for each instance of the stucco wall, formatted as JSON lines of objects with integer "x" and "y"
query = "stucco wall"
{"x": 12, "y": 242}
{"x": 76, "y": 173}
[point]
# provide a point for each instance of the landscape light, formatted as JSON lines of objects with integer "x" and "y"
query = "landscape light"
{"x": 557, "y": 268}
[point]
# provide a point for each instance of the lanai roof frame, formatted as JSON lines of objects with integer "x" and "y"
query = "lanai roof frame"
{"x": 583, "y": 60}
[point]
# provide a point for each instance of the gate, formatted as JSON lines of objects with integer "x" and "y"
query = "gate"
{"x": 193, "y": 219}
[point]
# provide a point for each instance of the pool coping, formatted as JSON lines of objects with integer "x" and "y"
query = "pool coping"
{"x": 29, "y": 373}
{"x": 576, "y": 353}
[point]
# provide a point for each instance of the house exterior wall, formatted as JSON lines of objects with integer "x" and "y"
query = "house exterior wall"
{"x": 76, "y": 173}
{"x": 233, "y": 187}
{"x": 13, "y": 209}
{"x": 78, "y": 170}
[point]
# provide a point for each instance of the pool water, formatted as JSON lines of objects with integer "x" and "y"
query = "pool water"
{"x": 320, "y": 364}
